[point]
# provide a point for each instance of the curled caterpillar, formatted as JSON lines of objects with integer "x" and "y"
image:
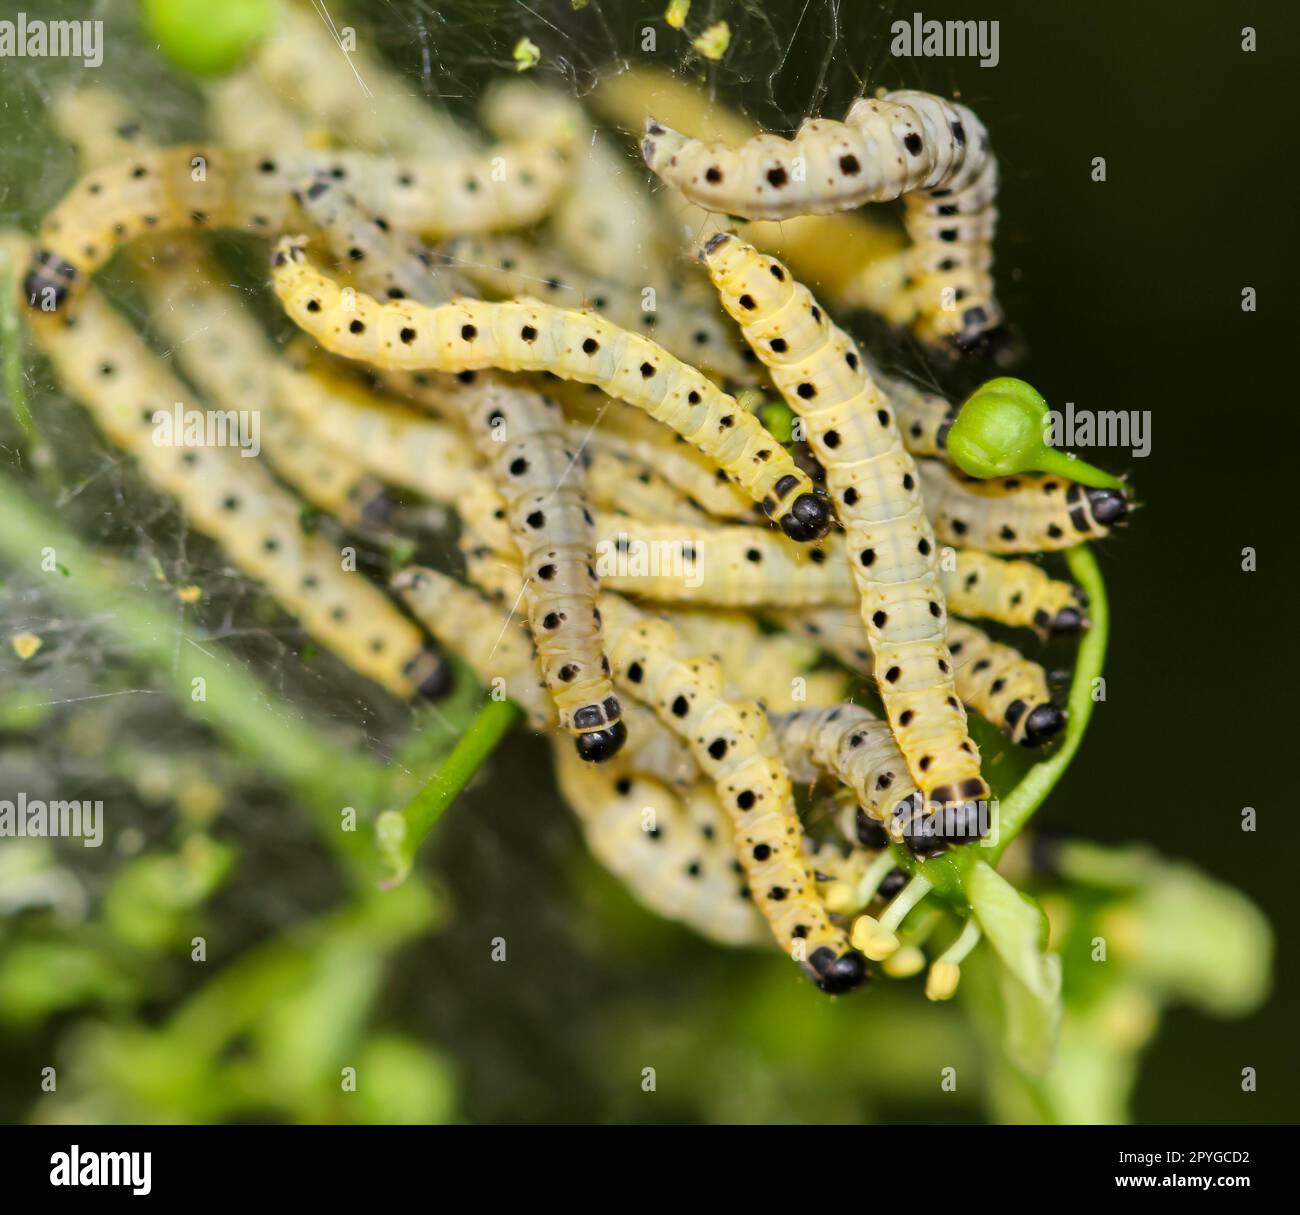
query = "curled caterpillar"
{"x": 873, "y": 481}
{"x": 682, "y": 323}
{"x": 672, "y": 852}
{"x": 775, "y": 669}
{"x": 106, "y": 366}
{"x": 1020, "y": 704}
{"x": 932, "y": 153}
{"x": 855, "y": 747}
{"x": 197, "y": 186}
{"x": 1028, "y": 513}
{"x": 529, "y": 336}
{"x": 729, "y": 741}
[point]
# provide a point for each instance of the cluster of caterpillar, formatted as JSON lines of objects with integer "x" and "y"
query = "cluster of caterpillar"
{"x": 513, "y": 330}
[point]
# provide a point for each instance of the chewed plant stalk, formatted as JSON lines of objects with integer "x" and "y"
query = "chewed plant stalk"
{"x": 529, "y": 336}
{"x": 890, "y": 545}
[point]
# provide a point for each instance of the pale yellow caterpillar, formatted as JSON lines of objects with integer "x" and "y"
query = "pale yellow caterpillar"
{"x": 216, "y": 340}
{"x": 923, "y": 417}
{"x": 497, "y": 649}
{"x": 683, "y": 324}
{"x": 673, "y": 859}
{"x": 1021, "y": 704}
{"x": 729, "y": 740}
{"x": 197, "y": 186}
{"x": 1017, "y": 593}
{"x": 932, "y": 153}
{"x": 852, "y": 745}
{"x": 105, "y": 365}
{"x": 529, "y": 336}
{"x": 387, "y": 263}
{"x": 245, "y": 114}
{"x": 890, "y": 545}
{"x": 341, "y": 87}
{"x": 1028, "y": 513}
{"x": 773, "y": 668}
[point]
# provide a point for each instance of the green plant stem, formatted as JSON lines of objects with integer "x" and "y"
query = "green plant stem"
{"x": 949, "y": 871}
{"x": 12, "y": 355}
{"x": 234, "y": 704}
{"x": 401, "y": 832}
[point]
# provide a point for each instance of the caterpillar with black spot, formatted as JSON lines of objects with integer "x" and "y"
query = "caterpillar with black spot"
{"x": 529, "y": 336}
{"x": 774, "y": 668}
{"x": 105, "y": 365}
{"x": 1031, "y": 512}
{"x": 385, "y": 262}
{"x": 682, "y": 323}
{"x": 729, "y": 739}
{"x": 541, "y": 483}
{"x": 855, "y": 747}
{"x": 999, "y": 683}
{"x": 216, "y": 340}
{"x": 873, "y": 481}
{"x": 198, "y": 186}
{"x": 498, "y": 650}
{"x": 671, "y": 853}
{"x": 932, "y": 153}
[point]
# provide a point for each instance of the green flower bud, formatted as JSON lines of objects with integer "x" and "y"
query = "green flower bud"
{"x": 204, "y": 38}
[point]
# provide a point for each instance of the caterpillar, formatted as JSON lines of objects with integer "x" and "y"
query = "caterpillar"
{"x": 748, "y": 567}
{"x": 890, "y": 544}
{"x": 387, "y": 263}
{"x": 923, "y": 417}
{"x": 1020, "y": 705}
{"x": 530, "y": 336}
{"x": 674, "y": 856}
{"x": 849, "y": 743}
{"x": 106, "y": 366}
{"x": 498, "y": 650}
{"x": 1028, "y": 513}
{"x": 217, "y": 342}
{"x": 225, "y": 353}
{"x": 682, "y": 323}
{"x": 245, "y": 114}
{"x": 197, "y": 186}
{"x": 775, "y": 669}
{"x": 932, "y": 153}
{"x": 729, "y": 741}
{"x": 351, "y": 92}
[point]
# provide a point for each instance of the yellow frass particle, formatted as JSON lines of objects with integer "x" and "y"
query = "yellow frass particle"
{"x": 713, "y": 43}
{"x": 26, "y": 644}
{"x": 189, "y": 594}
{"x": 527, "y": 54}
{"x": 675, "y": 15}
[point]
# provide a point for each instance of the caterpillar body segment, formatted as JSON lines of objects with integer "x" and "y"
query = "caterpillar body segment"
{"x": 1003, "y": 687}
{"x": 98, "y": 123}
{"x": 674, "y": 859}
{"x": 105, "y": 365}
{"x": 730, "y": 742}
{"x": 617, "y": 482}
{"x": 529, "y": 336}
{"x": 1016, "y": 593}
{"x": 1031, "y": 722}
{"x": 923, "y": 417}
{"x": 873, "y": 481}
{"x": 522, "y": 436}
{"x": 387, "y": 263}
{"x": 246, "y": 115}
{"x": 350, "y": 92}
{"x": 1031, "y": 512}
{"x": 775, "y": 669}
{"x": 851, "y": 745}
{"x": 684, "y": 324}
{"x": 932, "y": 153}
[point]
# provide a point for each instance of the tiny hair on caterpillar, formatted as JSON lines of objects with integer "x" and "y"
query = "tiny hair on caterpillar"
{"x": 531, "y": 336}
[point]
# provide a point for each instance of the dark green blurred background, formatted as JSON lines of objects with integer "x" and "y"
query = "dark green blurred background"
{"x": 1127, "y": 294}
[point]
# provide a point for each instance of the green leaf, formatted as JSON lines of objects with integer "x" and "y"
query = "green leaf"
{"x": 1030, "y": 978}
